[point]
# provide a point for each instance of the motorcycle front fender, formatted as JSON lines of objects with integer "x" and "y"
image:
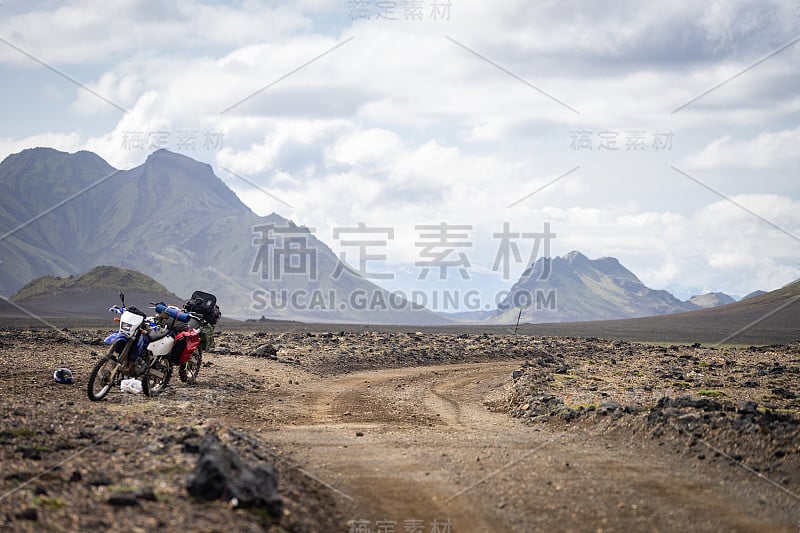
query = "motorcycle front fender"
{"x": 115, "y": 337}
{"x": 141, "y": 344}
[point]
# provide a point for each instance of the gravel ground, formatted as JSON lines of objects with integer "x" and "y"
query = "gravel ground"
{"x": 69, "y": 464}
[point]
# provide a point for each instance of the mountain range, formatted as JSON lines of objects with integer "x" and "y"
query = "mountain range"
{"x": 576, "y": 288}
{"x": 171, "y": 217}
{"x": 174, "y": 219}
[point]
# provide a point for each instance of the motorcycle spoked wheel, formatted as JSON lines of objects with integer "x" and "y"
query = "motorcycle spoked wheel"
{"x": 191, "y": 368}
{"x": 104, "y": 376}
{"x": 154, "y": 384}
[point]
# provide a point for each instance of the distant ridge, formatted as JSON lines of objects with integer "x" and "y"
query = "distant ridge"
{"x": 769, "y": 318}
{"x": 754, "y": 293}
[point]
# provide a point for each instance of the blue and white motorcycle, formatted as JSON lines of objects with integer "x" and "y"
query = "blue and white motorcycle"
{"x": 139, "y": 349}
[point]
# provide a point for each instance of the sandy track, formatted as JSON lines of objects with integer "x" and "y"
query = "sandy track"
{"x": 431, "y": 449}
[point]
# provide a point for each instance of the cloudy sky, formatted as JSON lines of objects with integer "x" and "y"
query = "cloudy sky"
{"x": 666, "y": 134}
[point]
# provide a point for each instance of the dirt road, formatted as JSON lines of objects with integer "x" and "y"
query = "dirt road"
{"x": 405, "y": 447}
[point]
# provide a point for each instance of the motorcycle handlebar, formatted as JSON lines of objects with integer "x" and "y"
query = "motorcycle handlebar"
{"x": 132, "y": 309}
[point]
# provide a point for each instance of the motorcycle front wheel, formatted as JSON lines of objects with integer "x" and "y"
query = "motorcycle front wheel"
{"x": 157, "y": 377}
{"x": 103, "y": 376}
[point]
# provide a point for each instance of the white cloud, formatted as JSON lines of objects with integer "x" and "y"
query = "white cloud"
{"x": 768, "y": 149}
{"x": 400, "y": 126}
{"x": 97, "y": 32}
{"x": 370, "y": 146}
{"x": 66, "y": 142}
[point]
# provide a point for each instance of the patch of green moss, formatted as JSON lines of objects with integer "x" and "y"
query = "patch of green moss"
{"x": 266, "y": 519}
{"x": 585, "y": 406}
{"x": 17, "y": 433}
{"x": 49, "y": 502}
{"x": 779, "y": 411}
{"x": 712, "y": 393}
{"x": 122, "y": 488}
{"x": 171, "y": 469}
{"x": 39, "y": 448}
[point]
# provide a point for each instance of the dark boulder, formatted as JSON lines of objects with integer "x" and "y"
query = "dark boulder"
{"x": 221, "y": 474}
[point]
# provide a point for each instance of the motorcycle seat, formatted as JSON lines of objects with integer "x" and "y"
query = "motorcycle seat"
{"x": 157, "y": 334}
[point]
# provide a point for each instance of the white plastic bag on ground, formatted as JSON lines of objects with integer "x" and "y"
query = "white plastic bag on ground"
{"x": 131, "y": 386}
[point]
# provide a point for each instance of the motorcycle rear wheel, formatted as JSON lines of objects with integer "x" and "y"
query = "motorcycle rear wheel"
{"x": 191, "y": 368}
{"x": 152, "y": 384}
{"x": 103, "y": 376}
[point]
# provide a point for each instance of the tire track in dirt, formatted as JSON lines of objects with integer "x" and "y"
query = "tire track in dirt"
{"x": 394, "y": 471}
{"x": 420, "y": 443}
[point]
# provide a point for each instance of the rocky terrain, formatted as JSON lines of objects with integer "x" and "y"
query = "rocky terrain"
{"x": 371, "y": 426}
{"x": 69, "y": 464}
{"x": 739, "y": 404}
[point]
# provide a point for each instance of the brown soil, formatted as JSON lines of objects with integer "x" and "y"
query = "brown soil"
{"x": 381, "y": 428}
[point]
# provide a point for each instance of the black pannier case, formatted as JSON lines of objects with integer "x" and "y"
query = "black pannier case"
{"x": 205, "y": 305}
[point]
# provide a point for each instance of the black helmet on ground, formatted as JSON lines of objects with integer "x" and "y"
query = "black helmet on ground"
{"x": 63, "y": 375}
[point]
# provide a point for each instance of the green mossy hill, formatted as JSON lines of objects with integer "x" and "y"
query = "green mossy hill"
{"x": 98, "y": 278}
